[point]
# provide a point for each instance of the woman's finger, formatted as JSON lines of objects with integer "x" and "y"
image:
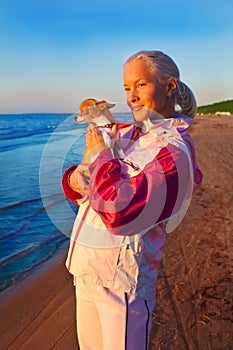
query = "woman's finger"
{"x": 114, "y": 130}
{"x": 94, "y": 137}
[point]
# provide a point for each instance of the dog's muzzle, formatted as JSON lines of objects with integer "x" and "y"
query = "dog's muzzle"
{"x": 79, "y": 119}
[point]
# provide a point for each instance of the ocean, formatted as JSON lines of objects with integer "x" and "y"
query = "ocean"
{"x": 35, "y": 217}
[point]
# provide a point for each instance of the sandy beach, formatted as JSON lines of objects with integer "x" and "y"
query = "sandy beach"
{"x": 195, "y": 285}
{"x": 39, "y": 313}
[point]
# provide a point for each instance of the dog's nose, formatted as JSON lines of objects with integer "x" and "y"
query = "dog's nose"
{"x": 79, "y": 119}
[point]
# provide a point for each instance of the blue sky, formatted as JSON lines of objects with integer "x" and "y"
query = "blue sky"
{"x": 54, "y": 53}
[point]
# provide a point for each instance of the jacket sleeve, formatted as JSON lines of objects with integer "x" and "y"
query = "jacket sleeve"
{"x": 130, "y": 205}
{"x": 72, "y": 195}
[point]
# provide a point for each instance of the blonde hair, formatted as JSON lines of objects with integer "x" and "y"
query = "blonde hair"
{"x": 163, "y": 67}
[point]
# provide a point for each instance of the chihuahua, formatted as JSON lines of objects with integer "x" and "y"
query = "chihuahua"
{"x": 97, "y": 114}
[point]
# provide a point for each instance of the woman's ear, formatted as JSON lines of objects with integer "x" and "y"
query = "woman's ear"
{"x": 171, "y": 86}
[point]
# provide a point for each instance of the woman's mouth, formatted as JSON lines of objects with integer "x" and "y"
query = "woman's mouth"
{"x": 136, "y": 108}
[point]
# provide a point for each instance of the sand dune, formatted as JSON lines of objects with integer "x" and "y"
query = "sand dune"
{"x": 195, "y": 286}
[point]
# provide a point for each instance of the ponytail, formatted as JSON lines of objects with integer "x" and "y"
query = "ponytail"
{"x": 184, "y": 98}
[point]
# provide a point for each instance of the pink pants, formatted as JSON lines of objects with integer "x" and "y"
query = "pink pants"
{"x": 111, "y": 320}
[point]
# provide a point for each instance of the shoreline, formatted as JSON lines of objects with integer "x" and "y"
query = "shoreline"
{"x": 34, "y": 273}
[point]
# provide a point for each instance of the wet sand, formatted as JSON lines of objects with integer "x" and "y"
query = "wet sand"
{"x": 195, "y": 285}
{"x": 39, "y": 313}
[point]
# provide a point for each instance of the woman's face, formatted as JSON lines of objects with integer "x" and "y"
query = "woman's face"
{"x": 145, "y": 95}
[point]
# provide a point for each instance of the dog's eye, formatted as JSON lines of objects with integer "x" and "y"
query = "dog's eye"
{"x": 84, "y": 112}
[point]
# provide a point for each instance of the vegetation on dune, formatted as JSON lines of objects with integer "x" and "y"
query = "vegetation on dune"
{"x": 223, "y": 106}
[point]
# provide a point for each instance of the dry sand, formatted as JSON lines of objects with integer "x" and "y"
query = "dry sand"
{"x": 195, "y": 286}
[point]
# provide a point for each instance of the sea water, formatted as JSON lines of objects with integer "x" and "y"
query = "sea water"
{"x": 35, "y": 217}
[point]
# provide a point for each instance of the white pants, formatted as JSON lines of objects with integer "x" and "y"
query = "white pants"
{"x": 111, "y": 320}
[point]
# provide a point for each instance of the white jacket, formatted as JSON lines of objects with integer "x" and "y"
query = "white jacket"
{"x": 119, "y": 234}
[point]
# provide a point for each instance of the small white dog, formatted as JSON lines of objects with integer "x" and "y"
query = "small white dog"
{"x": 97, "y": 114}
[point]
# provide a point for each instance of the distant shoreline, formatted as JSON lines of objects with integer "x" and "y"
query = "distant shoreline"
{"x": 116, "y": 113}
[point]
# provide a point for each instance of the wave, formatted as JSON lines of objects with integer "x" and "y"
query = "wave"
{"x": 29, "y": 201}
{"x": 8, "y": 235}
{"x": 6, "y": 130}
{"x": 20, "y": 204}
{"x": 10, "y": 276}
{"x": 20, "y": 131}
{"x": 31, "y": 249}
{"x": 27, "y": 133}
{"x": 29, "y": 140}
{"x": 53, "y": 200}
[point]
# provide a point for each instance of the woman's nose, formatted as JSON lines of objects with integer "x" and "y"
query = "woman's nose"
{"x": 132, "y": 96}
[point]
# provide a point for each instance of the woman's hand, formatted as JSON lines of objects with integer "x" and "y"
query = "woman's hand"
{"x": 116, "y": 136}
{"x": 79, "y": 182}
{"x": 94, "y": 143}
{"x": 116, "y": 145}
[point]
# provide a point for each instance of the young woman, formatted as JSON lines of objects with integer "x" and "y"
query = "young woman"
{"x": 119, "y": 233}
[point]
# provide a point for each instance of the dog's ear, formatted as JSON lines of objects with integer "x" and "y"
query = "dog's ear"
{"x": 102, "y": 105}
{"x": 88, "y": 109}
{"x": 89, "y": 102}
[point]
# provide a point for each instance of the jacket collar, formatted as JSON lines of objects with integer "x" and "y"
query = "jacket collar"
{"x": 180, "y": 122}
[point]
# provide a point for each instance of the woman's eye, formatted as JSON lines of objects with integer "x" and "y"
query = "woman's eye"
{"x": 126, "y": 88}
{"x": 142, "y": 84}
